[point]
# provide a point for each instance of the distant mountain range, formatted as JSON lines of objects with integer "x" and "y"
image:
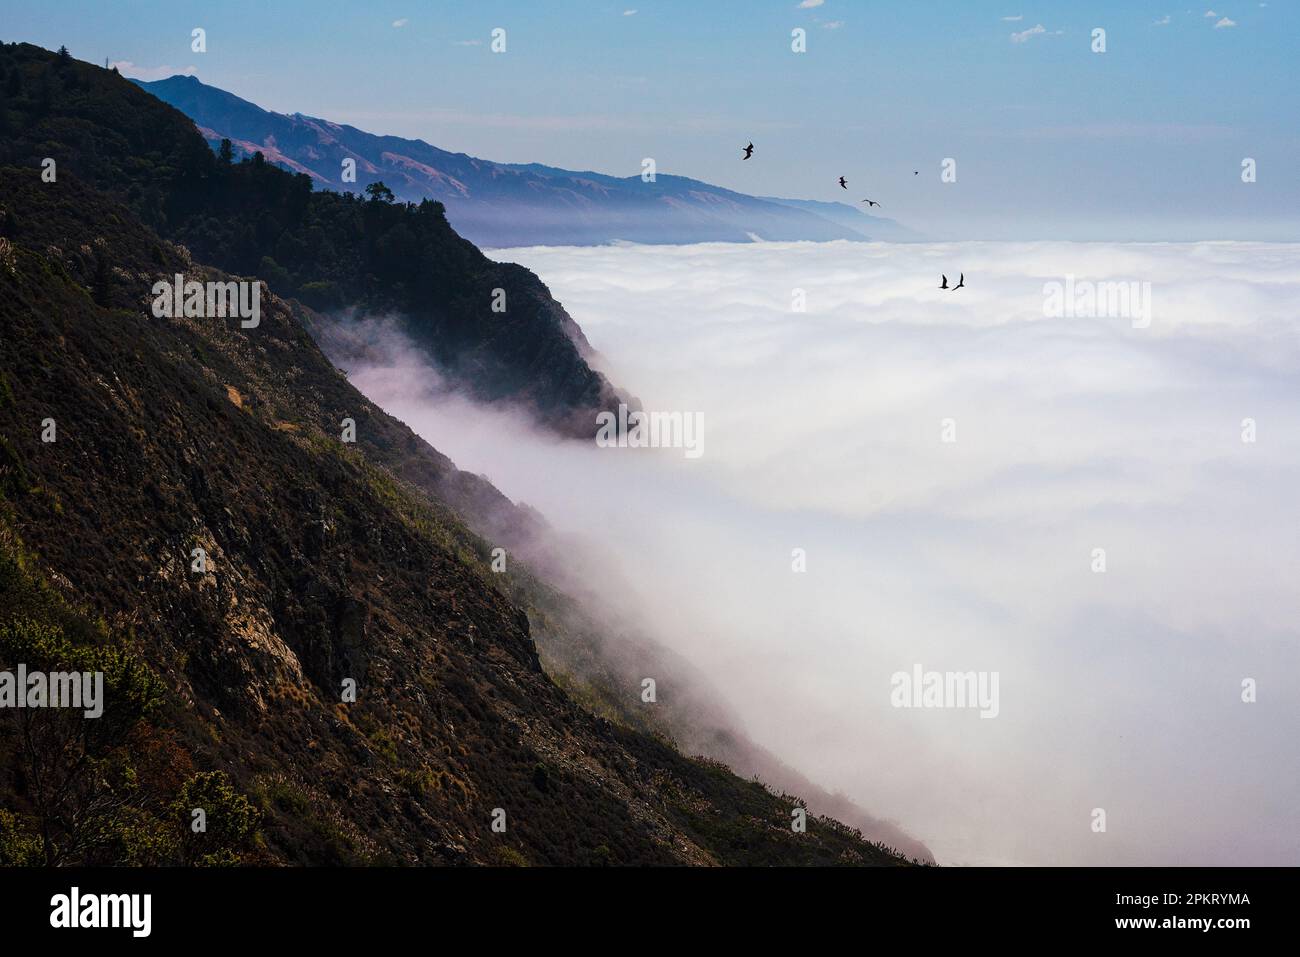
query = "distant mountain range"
{"x": 502, "y": 204}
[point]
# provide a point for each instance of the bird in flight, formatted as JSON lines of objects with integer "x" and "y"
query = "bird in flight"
{"x": 749, "y": 151}
{"x": 870, "y": 203}
{"x": 916, "y": 172}
{"x": 944, "y": 284}
{"x": 960, "y": 282}
{"x": 843, "y": 183}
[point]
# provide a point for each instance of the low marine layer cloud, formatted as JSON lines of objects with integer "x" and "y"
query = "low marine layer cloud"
{"x": 951, "y": 465}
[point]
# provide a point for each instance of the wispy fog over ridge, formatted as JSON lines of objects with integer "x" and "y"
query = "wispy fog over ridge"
{"x": 1096, "y": 503}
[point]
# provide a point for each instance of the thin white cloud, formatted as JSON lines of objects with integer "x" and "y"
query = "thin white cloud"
{"x": 135, "y": 71}
{"x": 468, "y": 43}
{"x": 809, "y": 4}
{"x": 1210, "y": 13}
{"x": 629, "y": 13}
{"x": 832, "y": 24}
{"x": 398, "y": 24}
{"x": 1225, "y": 22}
{"x": 1163, "y": 21}
{"x": 1018, "y": 17}
{"x": 1025, "y": 35}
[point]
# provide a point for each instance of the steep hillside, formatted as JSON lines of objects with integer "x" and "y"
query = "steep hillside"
{"x": 500, "y": 204}
{"x": 596, "y": 652}
{"x": 600, "y": 659}
{"x": 329, "y": 562}
{"x": 328, "y": 250}
{"x": 176, "y": 434}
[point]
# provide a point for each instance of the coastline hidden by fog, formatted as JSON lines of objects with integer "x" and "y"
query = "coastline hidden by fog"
{"x": 651, "y": 436}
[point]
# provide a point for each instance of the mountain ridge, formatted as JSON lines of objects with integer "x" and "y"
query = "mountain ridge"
{"x": 328, "y": 250}
{"x": 515, "y": 204}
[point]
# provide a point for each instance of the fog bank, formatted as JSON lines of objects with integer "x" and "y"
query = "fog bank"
{"x": 949, "y": 463}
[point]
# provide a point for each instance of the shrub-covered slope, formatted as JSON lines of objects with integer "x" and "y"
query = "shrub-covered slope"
{"x": 323, "y": 568}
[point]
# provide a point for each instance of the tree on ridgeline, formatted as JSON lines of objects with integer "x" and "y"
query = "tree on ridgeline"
{"x": 379, "y": 193}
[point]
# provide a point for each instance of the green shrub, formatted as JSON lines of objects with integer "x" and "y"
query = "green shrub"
{"x": 18, "y": 846}
{"x": 229, "y": 816}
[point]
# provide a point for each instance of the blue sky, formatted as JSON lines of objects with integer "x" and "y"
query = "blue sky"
{"x": 1052, "y": 140}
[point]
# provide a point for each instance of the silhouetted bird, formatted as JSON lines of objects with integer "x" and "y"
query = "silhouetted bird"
{"x": 843, "y": 184}
{"x": 870, "y": 203}
{"x": 749, "y": 151}
{"x": 916, "y": 172}
{"x": 944, "y": 284}
{"x": 960, "y": 282}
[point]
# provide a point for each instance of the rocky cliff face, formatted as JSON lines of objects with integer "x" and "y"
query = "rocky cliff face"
{"x": 341, "y": 678}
